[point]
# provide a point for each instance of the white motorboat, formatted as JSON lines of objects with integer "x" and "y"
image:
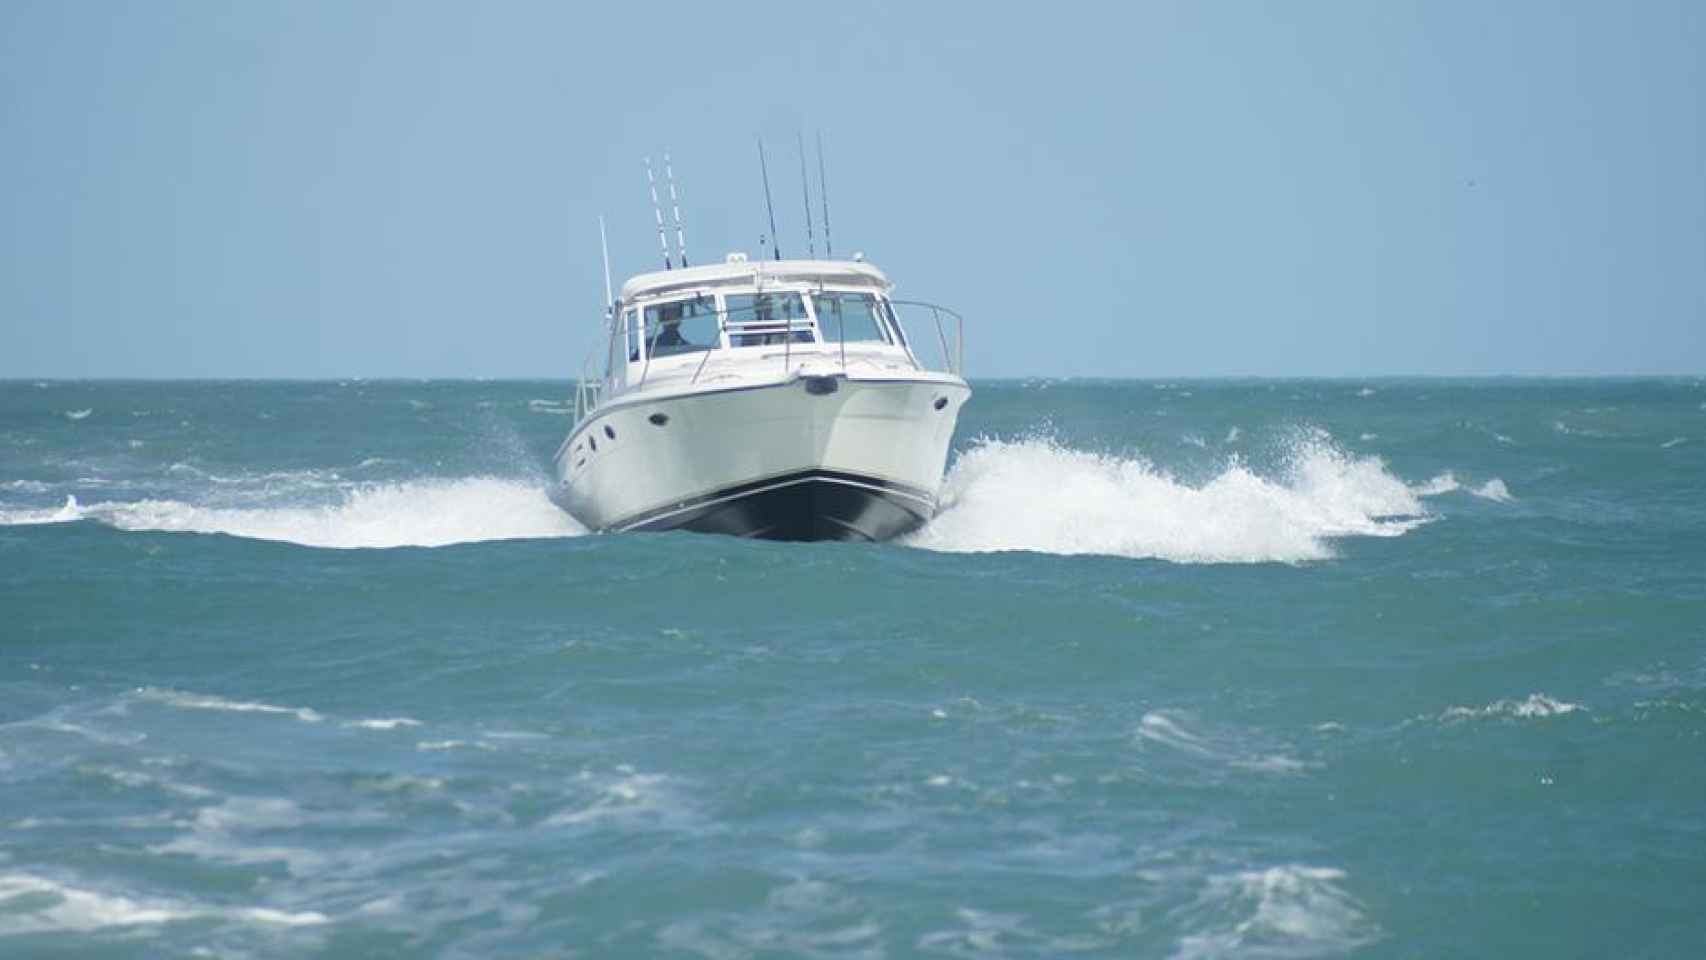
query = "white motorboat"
{"x": 777, "y": 399}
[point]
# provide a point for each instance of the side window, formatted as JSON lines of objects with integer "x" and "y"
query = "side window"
{"x": 762, "y": 319}
{"x": 849, "y": 317}
{"x": 633, "y": 337}
{"x": 684, "y": 326}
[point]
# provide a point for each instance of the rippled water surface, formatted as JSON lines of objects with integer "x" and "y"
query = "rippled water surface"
{"x": 1196, "y": 669}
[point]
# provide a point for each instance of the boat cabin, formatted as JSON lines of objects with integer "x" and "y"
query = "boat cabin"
{"x": 675, "y": 321}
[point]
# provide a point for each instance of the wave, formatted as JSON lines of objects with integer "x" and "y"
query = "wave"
{"x": 1537, "y": 706}
{"x": 1291, "y": 910}
{"x": 1035, "y": 494}
{"x": 196, "y": 701}
{"x": 1494, "y": 490}
{"x": 421, "y": 513}
{"x": 41, "y": 905}
{"x": 1447, "y": 482}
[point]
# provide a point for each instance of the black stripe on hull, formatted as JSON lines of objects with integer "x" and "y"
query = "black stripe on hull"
{"x": 812, "y": 505}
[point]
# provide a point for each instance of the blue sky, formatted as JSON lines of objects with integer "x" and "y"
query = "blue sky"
{"x": 411, "y": 189}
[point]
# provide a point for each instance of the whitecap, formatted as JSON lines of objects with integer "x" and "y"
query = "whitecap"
{"x": 384, "y": 723}
{"x": 1292, "y": 910}
{"x": 35, "y": 904}
{"x": 1442, "y": 483}
{"x": 1244, "y": 750}
{"x": 1366, "y": 392}
{"x": 1035, "y": 494}
{"x": 78, "y": 414}
{"x": 628, "y": 795}
{"x": 196, "y": 701}
{"x": 68, "y": 513}
{"x": 1494, "y": 490}
{"x": 1232, "y": 435}
{"x": 1673, "y": 442}
{"x": 1536, "y": 706}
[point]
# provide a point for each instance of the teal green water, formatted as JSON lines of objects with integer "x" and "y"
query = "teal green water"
{"x": 1205, "y": 669}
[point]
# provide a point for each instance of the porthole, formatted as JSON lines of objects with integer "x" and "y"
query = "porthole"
{"x": 592, "y": 441}
{"x": 941, "y": 402}
{"x": 609, "y": 431}
{"x": 658, "y": 419}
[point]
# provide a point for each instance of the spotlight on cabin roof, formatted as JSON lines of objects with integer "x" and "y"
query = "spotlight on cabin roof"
{"x": 859, "y": 256}
{"x": 734, "y": 257}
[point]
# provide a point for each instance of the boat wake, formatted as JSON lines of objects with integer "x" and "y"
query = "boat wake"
{"x": 1037, "y": 495}
{"x": 420, "y": 513}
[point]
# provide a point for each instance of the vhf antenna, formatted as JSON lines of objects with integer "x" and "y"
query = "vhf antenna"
{"x": 775, "y": 245}
{"x": 657, "y": 211}
{"x": 680, "y": 236}
{"x": 823, "y": 190}
{"x": 806, "y": 192}
{"x": 604, "y": 246}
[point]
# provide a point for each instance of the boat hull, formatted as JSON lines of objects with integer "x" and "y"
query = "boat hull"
{"x": 807, "y": 458}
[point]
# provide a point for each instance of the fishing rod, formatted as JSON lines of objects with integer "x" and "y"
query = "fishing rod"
{"x": 806, "y": 192}
{"x": 680, "y": 235}
{"x": 823, "y": 191}
{"x": 764, "y": 169}
{"x": 657, "y": 212}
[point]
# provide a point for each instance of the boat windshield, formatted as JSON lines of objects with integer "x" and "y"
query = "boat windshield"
{"x": 849, "y": 318}
{"x": 685, "y": 326}
{"x": 761, "y": 319}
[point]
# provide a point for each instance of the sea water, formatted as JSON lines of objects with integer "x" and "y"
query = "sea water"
{"x": 1409, "y": 668}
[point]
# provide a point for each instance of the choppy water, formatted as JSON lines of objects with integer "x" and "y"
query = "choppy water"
{"x": 1268, "y": 669}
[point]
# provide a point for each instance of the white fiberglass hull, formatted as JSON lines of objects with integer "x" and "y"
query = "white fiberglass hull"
{"x": 801, "y": 458}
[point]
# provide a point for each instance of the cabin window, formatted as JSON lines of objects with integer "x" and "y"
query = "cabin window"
{"x": 849, "y": 317}
{"x": 633, "y": 337}
{"x": 685, "y": 326}
{"x": 762, "y": 319}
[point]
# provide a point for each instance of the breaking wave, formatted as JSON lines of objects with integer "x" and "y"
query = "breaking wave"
{"x": 422, "y": 513}
{"x": 1035, "y": 494}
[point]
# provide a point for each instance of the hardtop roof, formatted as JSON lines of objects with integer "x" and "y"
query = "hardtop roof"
{"x": 743, "y": 272}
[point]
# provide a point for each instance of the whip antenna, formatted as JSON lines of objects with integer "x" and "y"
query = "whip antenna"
{"x": 657, "y": 212}
{"x": 806, "y": 192}
{"x": 823, "y": 191}
{"x": 604, "y": 246}
{"x": 764, "y": 169}
{"x": 680, "y": 236}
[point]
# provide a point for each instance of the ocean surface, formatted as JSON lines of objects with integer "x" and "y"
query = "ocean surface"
{"x": 1275, "y": 669}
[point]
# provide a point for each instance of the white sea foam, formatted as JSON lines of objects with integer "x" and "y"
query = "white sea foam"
{"x": 1284, "y": 911}
{"x": 1366, "y": 392}
{"x": 1494, "y": 490}
{"x": 196, "y": 701}
{"x": 1035, "y": 494}
{"x": 1440, "y": 484}
{"x": 78, "y": 414}
{"x": 384, "y": 723}
{"x": 33, "y": 904}
{"x": 627, "y": 796}
{"x": 1447, "y": 482}
{"x": 425, "y": 513}
{"x": 30, "y": 517}
{"x": 1536, "y": 706}
{"x": 1244, "y": 750}
{"x": 1673, "y": 442}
